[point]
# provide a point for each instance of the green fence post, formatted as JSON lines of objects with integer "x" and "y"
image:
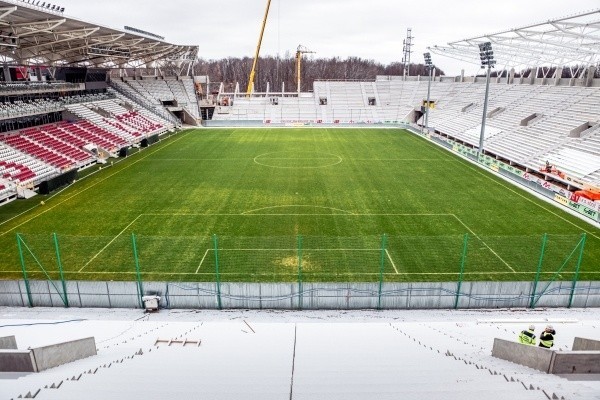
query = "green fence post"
{"x": 218, "y": 277}
{"x": 137, "y": 270}
{"x": 381, "y": 266}
{"x": 576, "y": 277}
{"x": 60, "y": 270}
{"x": 300, "y": 296}
{"x": 539, "y": 271}
{"x": 25, "y": 279}
{"x": 463, "y": 261}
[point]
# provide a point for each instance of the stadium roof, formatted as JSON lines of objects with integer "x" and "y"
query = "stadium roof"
{"x": 32, "y": 35}
{"x": 570, "y": 41}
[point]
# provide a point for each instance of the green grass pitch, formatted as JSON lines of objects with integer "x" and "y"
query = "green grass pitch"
{"x": 281, "y": 200}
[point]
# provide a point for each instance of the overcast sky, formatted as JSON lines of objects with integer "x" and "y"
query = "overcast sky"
{"x": 372, "y": 29}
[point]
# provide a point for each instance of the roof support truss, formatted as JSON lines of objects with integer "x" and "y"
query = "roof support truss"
{"x": 565, "y": 42}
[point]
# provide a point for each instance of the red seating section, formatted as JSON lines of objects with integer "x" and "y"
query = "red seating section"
{"x": 39, "y": 151}
{"x": 91, "y": 133}
{"x": 30, "y": 147}
{"x": 15, "y": 172}
{"x": 138, "y": 121}
{"x": 47, "y": 137}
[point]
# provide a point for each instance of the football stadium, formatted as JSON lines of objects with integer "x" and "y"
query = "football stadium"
{"x": 291, "y": 231}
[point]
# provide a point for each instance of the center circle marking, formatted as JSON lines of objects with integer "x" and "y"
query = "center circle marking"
{"x": 298, "y": 159}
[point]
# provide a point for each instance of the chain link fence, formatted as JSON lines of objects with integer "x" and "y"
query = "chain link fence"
{"x": 375, "y": 271}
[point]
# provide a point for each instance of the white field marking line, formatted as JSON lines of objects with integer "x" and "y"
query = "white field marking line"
{"x": 201, "y": 261}
{"x": 402, "y": 159}
{"x": 349, "y": 273}
{"x": 109, "y": 243}
{"x": 37, "y": 205}
{"x": 529, "y": 200}
{"x": 392, "y": 261}
{"x": 247, "y": 214}
{"x": 296, "y": 249}
{"x": 58, "y": 193}
{"x": 297, "y": 205}
{"x": 94, "y": 184}
{"x": 335, "y": 156}
{"x": 484, "y": 243}
{"x": 201, "y": 159}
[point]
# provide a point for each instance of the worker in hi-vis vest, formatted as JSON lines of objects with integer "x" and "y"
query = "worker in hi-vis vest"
{"x": 528, "y": 337}
{"x": 547, "y": 337}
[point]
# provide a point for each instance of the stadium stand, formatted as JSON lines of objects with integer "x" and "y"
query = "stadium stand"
{"x": 149, "y": 108}
{"x": 388, "y": 355}
{"x": 58, "y": 115}
{"x": 94, "y": 122}
{"x": 42, "y": 153}
{"x": 177, "y": 93}
{"x": 20, "y": 168}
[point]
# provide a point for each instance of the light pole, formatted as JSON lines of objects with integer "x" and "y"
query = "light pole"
{"x": 429, "y": 66}
{"x": 487, "y": 60}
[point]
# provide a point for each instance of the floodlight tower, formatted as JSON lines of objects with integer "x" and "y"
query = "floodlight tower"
{"x": 406, "y": 45}
{"x": 487, "y": 60}
{"x": 431, "y": 68}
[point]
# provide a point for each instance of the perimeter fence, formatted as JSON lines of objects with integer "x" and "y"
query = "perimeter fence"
{"x": 300, "y": 272}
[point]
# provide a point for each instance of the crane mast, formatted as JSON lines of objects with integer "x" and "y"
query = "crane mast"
{"x": 256, "y": 54}
{"x": 300, "y": 51}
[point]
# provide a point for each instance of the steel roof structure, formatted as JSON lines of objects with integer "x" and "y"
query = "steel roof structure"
{"x": 572, "y": 41}
{"x": 31, "y": 35}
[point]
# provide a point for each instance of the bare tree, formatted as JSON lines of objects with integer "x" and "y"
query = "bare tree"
{"x": 277, "y": 71}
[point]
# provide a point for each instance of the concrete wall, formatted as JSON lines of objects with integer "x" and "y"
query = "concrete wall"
{"x": 8, "y": 343}
{"x": 529, "y": 356}
{"x": 586, "y": 344}
{"x": 17, "y": 361}
{"x": 43, "y": 358}
{"x": 576, "y": 362}
{"x": 58, "y": 354}
{"x": 550, "y": 361}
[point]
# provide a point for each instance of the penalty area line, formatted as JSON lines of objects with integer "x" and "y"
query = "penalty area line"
{"x": 392, "y": 261}
{"x": 109, "y": 243}
{"x": 484, "y": 243}
{"x": 201, "y": 261}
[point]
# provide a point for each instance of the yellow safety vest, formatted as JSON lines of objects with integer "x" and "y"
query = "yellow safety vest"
{"x": 527, "y": 337}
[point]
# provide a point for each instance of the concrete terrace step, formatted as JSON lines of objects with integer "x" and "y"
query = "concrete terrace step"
{"x": 448, "y": 394}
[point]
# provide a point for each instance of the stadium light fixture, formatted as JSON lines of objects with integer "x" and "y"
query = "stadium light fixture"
{"x": 431, "y": 68}
{"x": 486, "y": 54}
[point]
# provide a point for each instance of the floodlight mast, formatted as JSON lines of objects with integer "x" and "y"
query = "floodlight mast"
{"x": 250, "y": 88}
{"x": 487, "y": 60}
{"x": 431, "y": 68}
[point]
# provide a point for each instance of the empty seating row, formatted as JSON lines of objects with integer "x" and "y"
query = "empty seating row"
{"x": 18, "y": 167}
{"x": 139, "y": 122}
{"x": 158, "y": 91}
{"x": 33, "y": 149}
{"x": 46, "y": 136}
{"x": 91, "y": 134}
{"x": 91, "y": 113}
{"x": 151, "y": 108}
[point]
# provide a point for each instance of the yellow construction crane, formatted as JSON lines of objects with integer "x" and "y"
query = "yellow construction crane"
{"x": 300, "y": 51}
{"x": 262, "y": 31}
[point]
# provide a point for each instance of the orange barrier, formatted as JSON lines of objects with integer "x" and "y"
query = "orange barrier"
{"x": 587, "y": 194}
